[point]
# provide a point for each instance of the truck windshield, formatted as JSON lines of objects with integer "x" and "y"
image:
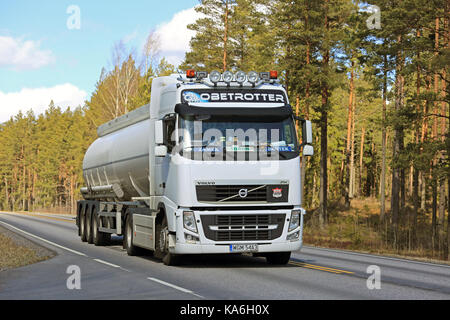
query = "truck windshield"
{"x": 233, "y": 138}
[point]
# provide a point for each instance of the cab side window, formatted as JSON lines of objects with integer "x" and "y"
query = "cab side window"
{"x": 169, "y": 128}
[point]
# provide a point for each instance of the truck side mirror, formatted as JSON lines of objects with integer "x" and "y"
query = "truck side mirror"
{"x": 159, "y": 132}
{"x": 307, "y": 132}
{"x": 160, "y": 151}
{"x": 308, "y": 150}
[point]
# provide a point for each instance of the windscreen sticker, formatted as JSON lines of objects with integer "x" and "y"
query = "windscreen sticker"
{"x": 280, "y": 149}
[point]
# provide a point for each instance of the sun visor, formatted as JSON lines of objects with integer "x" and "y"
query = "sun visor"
{"x": 274, "y": 113}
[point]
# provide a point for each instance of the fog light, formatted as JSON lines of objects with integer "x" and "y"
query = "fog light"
{"x": 227, "y": 76}
{"x": 293, "y": 236}
{"x": 190, "y": 238}
{"x": 252, "y": 77}
{"x": 241, "y": 76}
{"x": 214, "y": 76}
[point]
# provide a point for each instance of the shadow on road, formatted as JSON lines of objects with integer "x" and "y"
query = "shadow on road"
{"x": 209, "y": 260}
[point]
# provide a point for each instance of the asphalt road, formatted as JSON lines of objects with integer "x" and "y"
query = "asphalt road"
{"x": 108, "y": 273}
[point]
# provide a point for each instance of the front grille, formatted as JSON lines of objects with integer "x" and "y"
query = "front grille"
{"x": 242, "y": 227}
{"x": 225, "y": 193}
{"x": 242, "y": 193}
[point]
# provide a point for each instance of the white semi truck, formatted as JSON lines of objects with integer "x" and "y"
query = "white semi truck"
{"x": 211, "y": 165}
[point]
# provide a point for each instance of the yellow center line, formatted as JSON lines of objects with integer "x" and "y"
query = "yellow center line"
{"x": 316, "y": 267}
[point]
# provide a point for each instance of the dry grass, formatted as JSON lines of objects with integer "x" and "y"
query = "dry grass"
{"x": 13, "y": 255}
{"x": 359, "y": 229}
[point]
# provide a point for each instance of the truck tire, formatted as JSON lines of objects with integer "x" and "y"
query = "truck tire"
{"x": 83, "y": 224}
{"x": 132, "y": 250}
{"x": 278, "y": 258}
{"x": 99, "y": 238}
{"x": 89, "y": 237}
{"x": 161, "y": 245}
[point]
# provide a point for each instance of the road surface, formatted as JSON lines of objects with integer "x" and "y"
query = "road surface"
{"x": 108, "y": 273}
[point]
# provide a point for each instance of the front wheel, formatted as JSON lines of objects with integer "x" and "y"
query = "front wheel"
{"x": 278, "y": 258}
{"x": 162, "y": 245}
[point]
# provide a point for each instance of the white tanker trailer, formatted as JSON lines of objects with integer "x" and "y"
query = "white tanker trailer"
{"x": 211, "y": 165}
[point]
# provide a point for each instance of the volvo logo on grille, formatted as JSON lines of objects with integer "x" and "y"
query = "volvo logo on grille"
{"x": 243, "y": 193}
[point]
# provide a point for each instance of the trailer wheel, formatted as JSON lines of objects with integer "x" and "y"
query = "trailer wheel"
{"x": 89, "y": 237}
{"x": 278, "y": 258}
{"x": 99, "y": 238}
{"x": 82, "y": 225}
{"x": 162, "y": 245}
{"x": 132, "y": 250}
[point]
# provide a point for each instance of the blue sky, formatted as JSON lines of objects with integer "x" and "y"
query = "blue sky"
{"x": 40, "y": 55}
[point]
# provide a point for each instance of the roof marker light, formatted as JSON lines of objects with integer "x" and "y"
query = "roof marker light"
{"x": 273, "y": 74}
{"x": 214, "y": 76}
{"x": 190, "y": 73}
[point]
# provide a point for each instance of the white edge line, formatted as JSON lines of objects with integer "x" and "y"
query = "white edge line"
{"x": 37, "y": 215}
{"x": 44, "y": 240}
{"x": 376, "y": 256}
{"x": 174, "y": 287}
{"x": 107, "y": 263}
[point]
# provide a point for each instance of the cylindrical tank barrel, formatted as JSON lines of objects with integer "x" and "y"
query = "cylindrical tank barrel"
{"x": 116, "y": 165}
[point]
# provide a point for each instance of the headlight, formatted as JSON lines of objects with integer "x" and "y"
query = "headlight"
{"x": 189, "y": 221}
{"x": 295, "y": 220}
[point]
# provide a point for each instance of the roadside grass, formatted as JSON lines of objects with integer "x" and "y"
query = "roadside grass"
{"x": 359, "y": 229}
{"x": 13, "y": 255}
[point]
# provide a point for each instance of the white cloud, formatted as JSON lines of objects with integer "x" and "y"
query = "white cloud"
{"x": 23, "y": 55}
{"x": 174, "y": 35}
{"x": 38, "y": 99}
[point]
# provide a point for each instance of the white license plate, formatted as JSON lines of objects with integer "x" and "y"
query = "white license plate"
{"x": 243, "y": 248}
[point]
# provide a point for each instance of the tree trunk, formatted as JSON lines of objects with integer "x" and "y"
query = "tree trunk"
{"x": 349, "y": 131}
{"x": 225, "y": 37}
{"x": 352, "y": 154}
{"x": 361, "y": 155}
{"x": 383, "y": 146}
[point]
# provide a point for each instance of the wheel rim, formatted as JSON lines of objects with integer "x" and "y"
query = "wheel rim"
{"x": 88, "y": 226}
{"x": 82, "y": 224}
{"x": 163, "y": 239}
{"x": 94, "y": 227}
{"x": 129, "y": 235}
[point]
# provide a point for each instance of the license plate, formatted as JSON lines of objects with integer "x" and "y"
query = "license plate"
{"x": 243, "y": 248}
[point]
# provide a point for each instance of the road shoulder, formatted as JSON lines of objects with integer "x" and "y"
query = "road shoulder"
{"x": 18, "y": 251}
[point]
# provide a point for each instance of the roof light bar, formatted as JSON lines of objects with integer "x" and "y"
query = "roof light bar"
{"x": 240, "y": 77}
{"x": 265, "y": 76}
{"x": 214, "y": 76}
{"x": 252, "y": 77}
{"x": 227, "y": 76}
{"x": 202, "y": 75}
